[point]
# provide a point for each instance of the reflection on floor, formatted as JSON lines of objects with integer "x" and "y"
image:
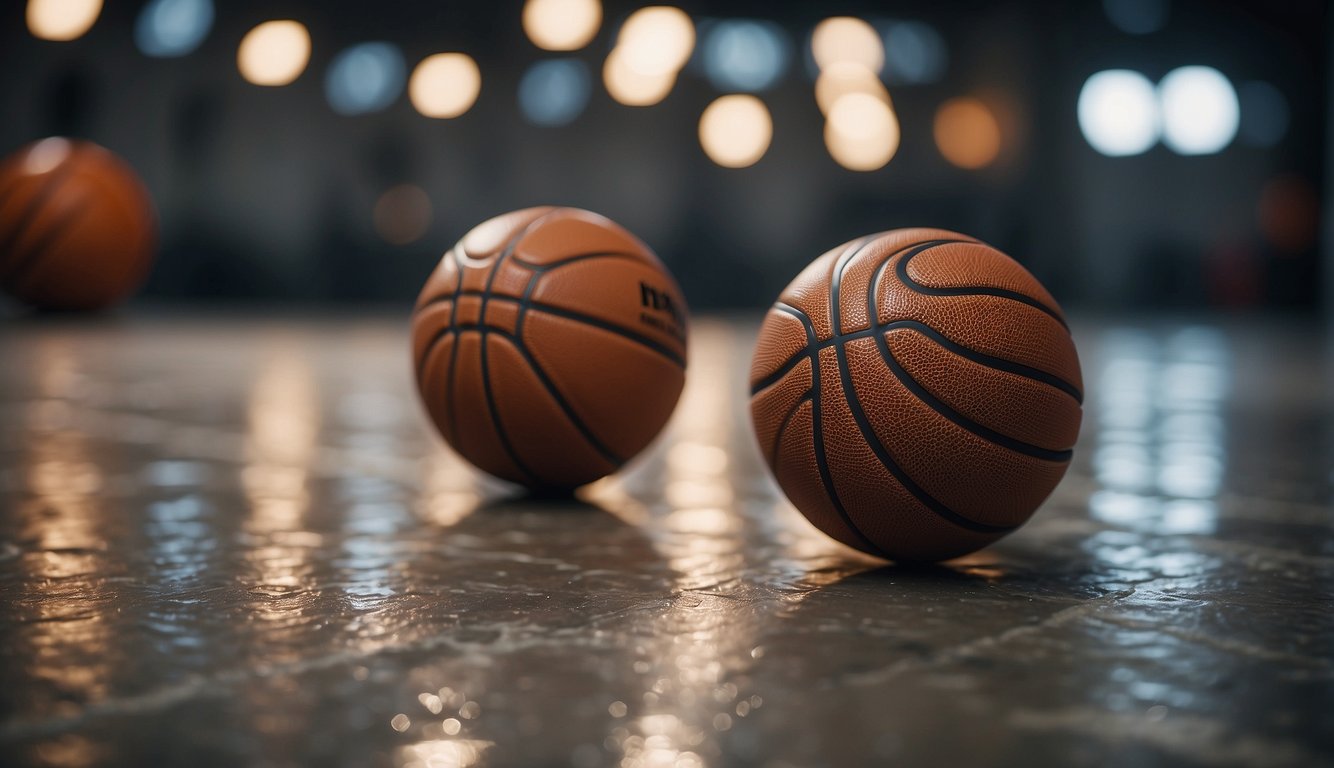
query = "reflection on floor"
{"x": 239, "y": 542}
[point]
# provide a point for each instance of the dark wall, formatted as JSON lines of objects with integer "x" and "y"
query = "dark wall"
{"x": 266, "y": 194}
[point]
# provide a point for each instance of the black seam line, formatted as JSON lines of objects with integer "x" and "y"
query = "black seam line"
{"x": 902, "y": 270}
{"x": 864, "y": 424}
{"x": 450, "y": 375}
{"x": 837, "y": 337}
{"x": 1000, "y": 363}
{"x": 944, "y": 409}
{"x": 517, "y": 342}
{"x": 486, "y": 372}
{"x": 23, "y": 266}
{"x": 980, "y": 358}
{"x": 573, "y": 259}
{"x": 783, "y": 425}
{"x": 495, "y": 417}
{"x": 525, "y": 303}
{"x": 836, "y": 274}
{"x": 643, "y": 341}
{"x": 868, "y": 434}
{"x": 38, "y": 199}
{"x": 452, "y": 253}
{"x": 538, "y": 268}
{"x": 817, "y": 434}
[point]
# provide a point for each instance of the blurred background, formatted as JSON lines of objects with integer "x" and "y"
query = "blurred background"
{"x": 1167, "y": 154}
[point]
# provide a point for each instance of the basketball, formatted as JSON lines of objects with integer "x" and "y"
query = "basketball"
{"x": 916, "y": 393}
{"x": 549, "y": 346}
{"x": 77, "y": 228}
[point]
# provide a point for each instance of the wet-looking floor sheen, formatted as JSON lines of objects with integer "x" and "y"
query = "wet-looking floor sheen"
{"x": 238, "y": 542}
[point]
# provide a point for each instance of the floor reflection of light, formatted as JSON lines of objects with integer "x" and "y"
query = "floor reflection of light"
{"x": 688, "y": 699}
{"x": 64, "y": 629}
{"x": 442, "y": 753}
{"x": 1161, "y": 454}
{"x": 283, "y": 424}
{"x": 450, "y": 490}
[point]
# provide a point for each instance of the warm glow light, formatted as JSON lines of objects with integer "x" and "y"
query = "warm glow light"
{"x": 402, "y": 214}
{"x": 735, "y": 130}
{"x": 445, "y": 85}
{"x": 632, "y": 88}
{"x": 62, "y": 19}
{"x": 844, "y": 38}
{"x": 561, "y": 25}
{"x": 274, "y": 53}
{"x": 656, "y": 41}
{"x": 844, "y": 77}
{"x": 967, "y": 133}
{"x": 862, "y": 132}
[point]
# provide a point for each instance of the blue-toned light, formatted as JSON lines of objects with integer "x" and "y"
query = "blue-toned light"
{"x": 743, "y": 55}
{"x": 914, "y": 53}
{"x": 1264, "y": 114}
{"x": 1137, "y": 17}
{"x": 167, "y": 28}
{"x": 365, "y": 78}
{"x": 555, "y": 91}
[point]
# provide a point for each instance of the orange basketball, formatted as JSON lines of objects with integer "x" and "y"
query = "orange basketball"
{"x": 916, "y": 393}
{"x": 77, "y": 229}
{"x": 549, "y": 346}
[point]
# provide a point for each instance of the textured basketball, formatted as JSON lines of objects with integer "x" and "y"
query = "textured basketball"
{"x": 549, "y": 346}
{"x": 916, "y": 393}
{"x": 77, "y": 228}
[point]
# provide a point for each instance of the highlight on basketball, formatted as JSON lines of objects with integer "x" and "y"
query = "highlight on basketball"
{"x": 597, "y": 383}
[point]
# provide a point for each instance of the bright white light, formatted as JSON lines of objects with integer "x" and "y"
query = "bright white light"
{"x": 735, "y": 130}
{"x": 741, "y": 55}
{"x": 1118, "y": 112}
{"x": 365, "y": 78}
{"x": 1200, "y": 111}
{"x": 554, "y": 92}
{"x": 168, "y": 28}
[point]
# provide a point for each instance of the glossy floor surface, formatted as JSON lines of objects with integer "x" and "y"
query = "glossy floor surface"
{"x": 237, "y": 542}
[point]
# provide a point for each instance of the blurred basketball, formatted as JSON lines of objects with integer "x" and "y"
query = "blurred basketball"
{"x": 916, "y": 393}
{"x": 549, "y": 346}
{"x": 77, "y": 228}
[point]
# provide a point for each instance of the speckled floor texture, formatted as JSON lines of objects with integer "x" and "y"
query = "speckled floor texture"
{"x": 236, "y": 541}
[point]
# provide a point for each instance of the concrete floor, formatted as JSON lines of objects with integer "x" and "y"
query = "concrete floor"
{"x": 230, "y": 541}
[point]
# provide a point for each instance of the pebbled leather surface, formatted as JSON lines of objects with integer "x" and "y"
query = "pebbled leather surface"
{"x": 77, "y": 227}
{"x": 937, "y": 429}
{"x": 540, "y": 353}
